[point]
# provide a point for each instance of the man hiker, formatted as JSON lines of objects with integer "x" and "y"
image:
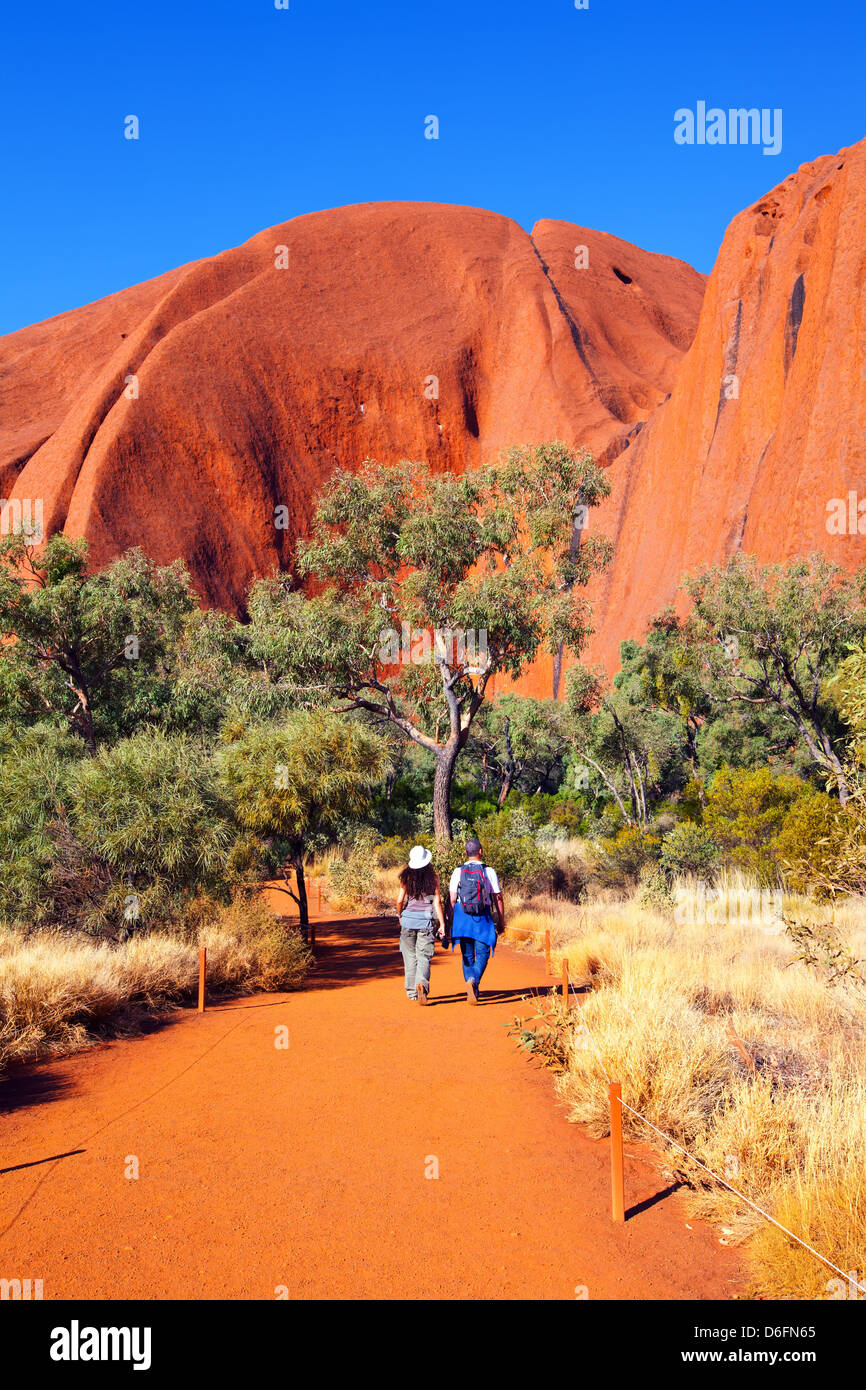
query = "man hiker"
{"x": 476, "y": 899}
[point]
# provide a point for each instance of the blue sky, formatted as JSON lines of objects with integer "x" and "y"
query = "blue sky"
{"x": 251, "y": 115}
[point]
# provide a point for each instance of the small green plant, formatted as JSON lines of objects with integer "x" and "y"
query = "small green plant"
{"x": 689, "y": 849}
{"x": 655, "y": 892}
{"x": 546, "y": 1034}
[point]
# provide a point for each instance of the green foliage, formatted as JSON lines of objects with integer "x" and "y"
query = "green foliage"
{"x": 622, "y": 857}
{"x": 634, "y": 748}
{"x": 351, "y": 877}
{"x": 121, "y": 841}
{"x": 508, "y": 844}
{"x": 93, "y": 650}
{"x": 655, "y": 892}
{"x": 37, "y": 766}
{"x": 689, "y": 849}
{"x": 510, "y": 847}
{"x": 150, "y": 826}
{"x": 817, "y": 846}
{"x": 847, "y": 692}
{"x": 521, "y": 742}
{"x": 393, "y": 852}
{"x": 568, "y": 816}
{"x": 489, "y": 554}
{"x": 772, "y": 635}
{"x": 293, "y": 784}
{"x": 744, "y": 812}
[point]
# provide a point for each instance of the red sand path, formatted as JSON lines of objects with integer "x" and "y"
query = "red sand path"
{"x": 305, "y": 1167}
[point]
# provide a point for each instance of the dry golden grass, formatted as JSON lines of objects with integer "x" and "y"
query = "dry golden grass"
{"x": 790, "y": 1133}
{"x": 58, "y": 992}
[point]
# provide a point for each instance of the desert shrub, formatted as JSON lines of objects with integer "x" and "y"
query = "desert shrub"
{"x": 568, "y": 878}
{"x": 351, "y": 878}
{"x": 250, "y": 948}
{"x": 511, "y": 848}
{"x": 568, "y": 815}
{"x": 393, "y": 852}
{"x": 610, "y": 820}
{"x": 36, "y": 769}
{"x": 620, "y": 858}
{"x": 809, "y": 844}
{"x": 690, "y": 850}
{"x": 150, "y": 815}
{"x": 654, "y": 889}
{"x": 744, "y": 811}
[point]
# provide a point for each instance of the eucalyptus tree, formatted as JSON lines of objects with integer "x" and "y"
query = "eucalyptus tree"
{"x": 92, "y": 650}
{"x": 426, "y": 586}
{"x": 771, "y": 636}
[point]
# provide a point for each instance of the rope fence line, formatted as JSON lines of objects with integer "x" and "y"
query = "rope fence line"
{"x": 617, "y": 1105}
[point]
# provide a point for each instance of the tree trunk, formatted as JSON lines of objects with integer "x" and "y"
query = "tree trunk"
{"x": 508, "y": 777}
{"x": 445, "y": 762}
{"x": 557, "y": 669}
{"x": 83, "y": 716}
{"x": 303, "y": 909}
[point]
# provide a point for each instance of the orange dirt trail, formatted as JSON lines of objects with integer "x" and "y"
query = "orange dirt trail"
{"x": 305, "y": 1167}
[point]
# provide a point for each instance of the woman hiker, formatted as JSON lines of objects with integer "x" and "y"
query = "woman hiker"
{"x": 475, "y": 898}
{"x": 419, "y": 904}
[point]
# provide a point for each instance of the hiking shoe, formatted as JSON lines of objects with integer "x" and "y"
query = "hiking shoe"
{"x": 421, "y": 992}
{"x": 471, "y": 993}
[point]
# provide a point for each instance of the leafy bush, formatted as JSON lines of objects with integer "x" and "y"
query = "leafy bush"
{"x": 744, "y": 812}
{"x": 351, "y": 881}
{"x": 815, "y": 840}
{"x": 689, "y": 849}
{"x": 393, "y": 852}
{"x": 149, "y": 817}
{"x": 569, "y": 815}
{"x": 509, "y": 846}
{"x": 655, "y": 892}
{"x": 621, "y": 858}
{"x": 36, "y": 768}
{"x": 250, "y": 948}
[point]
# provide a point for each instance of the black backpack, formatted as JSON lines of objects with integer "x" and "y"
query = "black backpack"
{"x": 473, "y": 890}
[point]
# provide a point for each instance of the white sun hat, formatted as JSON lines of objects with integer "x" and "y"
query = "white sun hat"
{"x": 419, "y": 857}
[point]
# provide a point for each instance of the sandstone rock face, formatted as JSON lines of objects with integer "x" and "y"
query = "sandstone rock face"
{"x": 766, "y": 424}
{"x": 178, "y": 415}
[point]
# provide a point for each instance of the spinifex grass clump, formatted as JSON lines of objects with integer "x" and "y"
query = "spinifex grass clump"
{"x": 750, "y": 1058}
{"x": 59, "y": 991}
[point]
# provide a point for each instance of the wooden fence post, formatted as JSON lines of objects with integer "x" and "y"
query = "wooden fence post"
{"x": 565, "y": 981}
{"x": 547, "y": 950}
{"x": 202, "y": 970}
{"x": 616, "y": 1178}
